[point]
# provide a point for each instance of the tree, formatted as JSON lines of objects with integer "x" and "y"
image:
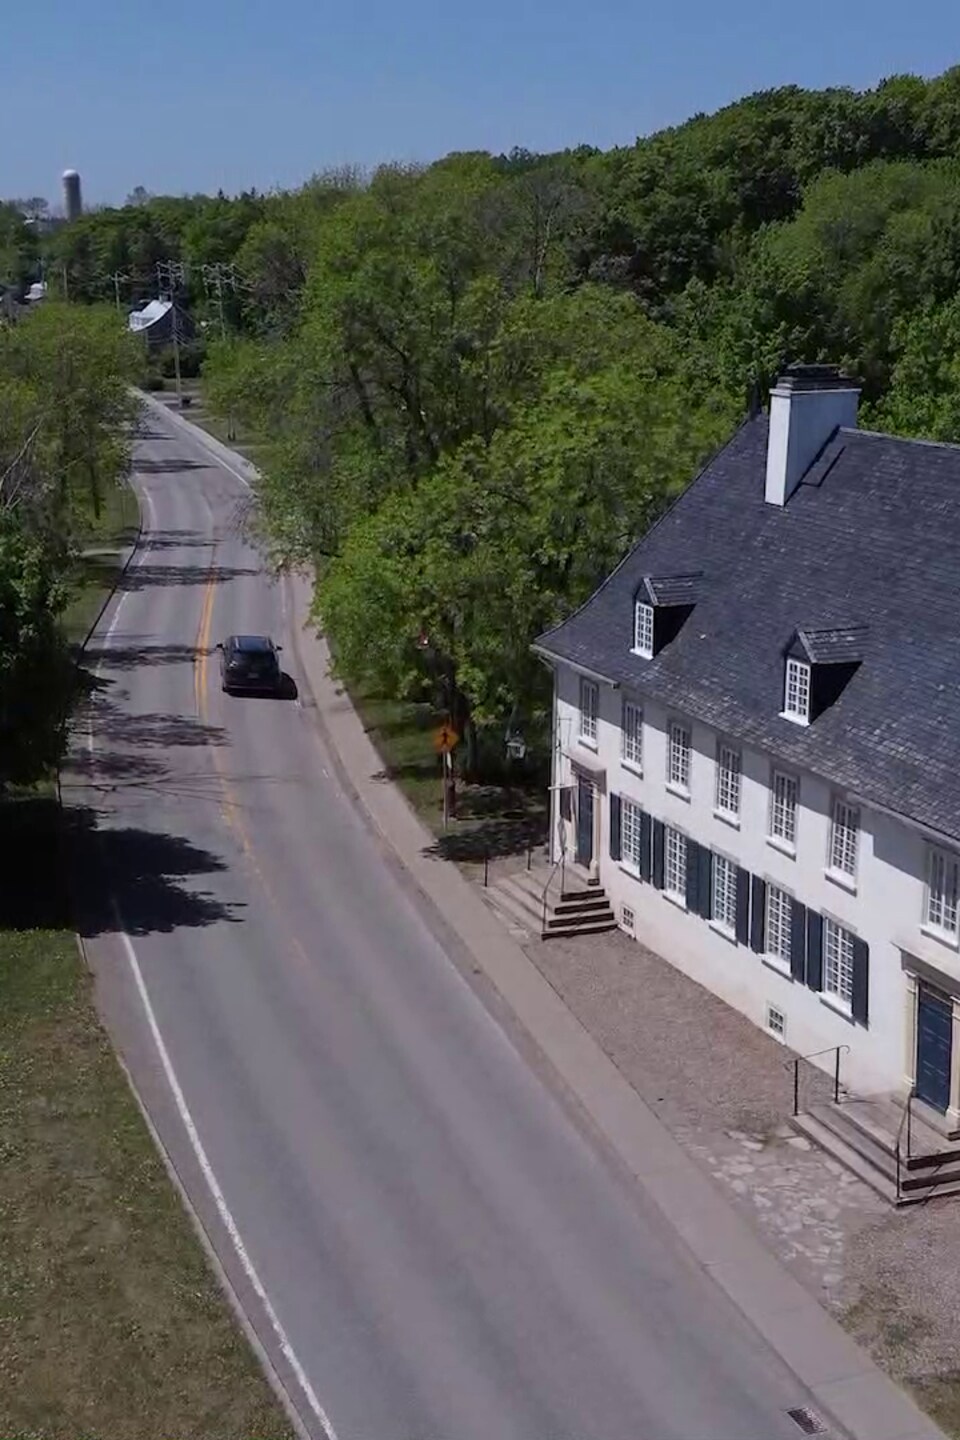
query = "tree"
{"x": 504, "y": 538}
{"x": 33, "y": 659}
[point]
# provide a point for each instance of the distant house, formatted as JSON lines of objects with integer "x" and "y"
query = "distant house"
{"x": 757, "y": 724}
{"x": 155, "y": 323}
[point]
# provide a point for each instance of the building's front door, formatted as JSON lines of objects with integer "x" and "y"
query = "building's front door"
{"x": 934, "y": 1047}
{"x": 584, "y": 821}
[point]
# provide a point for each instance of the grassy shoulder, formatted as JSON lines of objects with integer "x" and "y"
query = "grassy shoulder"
{"x": 111, "y": 1322}
{"x": 102, "y": 549}
{"x": 501, "y": 817}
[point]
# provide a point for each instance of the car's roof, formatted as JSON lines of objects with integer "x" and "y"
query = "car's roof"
{"x": 250, "y": 642}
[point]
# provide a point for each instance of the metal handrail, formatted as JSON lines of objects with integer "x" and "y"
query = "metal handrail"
{"x": 905, "y": 1119}
{"x": 560, "y": 865}
{"x": 814, "y": 1055}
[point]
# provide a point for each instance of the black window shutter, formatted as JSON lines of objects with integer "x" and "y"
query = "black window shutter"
{"x": 693, "y": 877}
{"x": 798, "y": 940}
{"x": 646, "y": 857}
{"x": 758, "y": 915}
{"x": 657, "y": 870}
{"x": 860, "y": 1003}
{"x": 704, "y": 876}
{"x": 743, "y": 907}
{"x": 814, "y": 950}
{"x": 566, "y": 803}
{"x": 614, "y": 827}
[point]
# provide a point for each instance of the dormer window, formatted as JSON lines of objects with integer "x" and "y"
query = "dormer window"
{"x": 818, "y": 664}
{"x": 643, "y": 629}
{"x": 660, "y": 606}
{"x": 796, "y": 691}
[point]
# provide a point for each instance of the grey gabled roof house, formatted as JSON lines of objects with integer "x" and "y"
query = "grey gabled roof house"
{"x": 852, "y": 563}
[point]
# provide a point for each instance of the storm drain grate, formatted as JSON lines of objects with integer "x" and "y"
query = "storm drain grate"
{"x": 808, "y": 1420}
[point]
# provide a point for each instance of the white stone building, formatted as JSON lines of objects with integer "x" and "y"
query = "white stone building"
{"x": 756, "y": 725}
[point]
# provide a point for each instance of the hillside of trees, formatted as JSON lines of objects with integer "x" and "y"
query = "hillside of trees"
{"x": 480, "y": 380}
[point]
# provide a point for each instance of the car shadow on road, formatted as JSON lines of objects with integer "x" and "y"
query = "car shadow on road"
{"x": 288, "y": 691}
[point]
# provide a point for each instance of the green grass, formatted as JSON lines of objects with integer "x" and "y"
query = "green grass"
{"x": 111, "y": 1322}
{"x": 502, "y": 817}
{"x": 103, "y": 544}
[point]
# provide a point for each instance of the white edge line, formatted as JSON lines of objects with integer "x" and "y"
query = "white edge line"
{"x": 193, "y": 1136}
{"x": 213, "y": 1185}
{"x": 216, "y": 1264}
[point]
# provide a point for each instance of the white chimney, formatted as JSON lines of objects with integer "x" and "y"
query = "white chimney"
{"x": 807, "y": 404}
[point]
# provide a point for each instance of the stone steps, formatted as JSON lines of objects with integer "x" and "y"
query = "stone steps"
{"x": 575, "y": 910}
{"x": 862, "y": 1135}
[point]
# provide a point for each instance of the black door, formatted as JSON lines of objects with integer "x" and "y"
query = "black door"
{"x": 584, "y": 822}
{"x": 934, "y": 1047}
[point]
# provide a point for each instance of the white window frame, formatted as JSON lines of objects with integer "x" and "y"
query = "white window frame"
{"x": 630, "y": 813}
{"x": 784, "y": 808}
{"x": 796, "y": 691}
{"x": 589, "y": 715}
{"x": 941, "y": 895}
{"x": 679, "y": 757}
{"x": 643, "y": 629}
{"x": 778, "y": 925}
{"x": 837, "y": 964}
{"x": 723, "y": 894}
{"x": 728, "y": 782}
{"x": 631, "y": 738}
{"x": 844, "y": 839}
{"x": 675, "y": 865}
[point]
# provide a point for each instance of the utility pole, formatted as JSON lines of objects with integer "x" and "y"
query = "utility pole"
{"x": 218, "y": 275}
{"x": 117, "y": 278}
{"x": 170, "y": 275}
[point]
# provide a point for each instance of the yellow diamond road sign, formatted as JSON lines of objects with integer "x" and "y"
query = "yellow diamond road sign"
{"x": 445, "y": 739}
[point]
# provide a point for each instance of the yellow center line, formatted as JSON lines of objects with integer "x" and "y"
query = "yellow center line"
{"x": 230, "y": 805}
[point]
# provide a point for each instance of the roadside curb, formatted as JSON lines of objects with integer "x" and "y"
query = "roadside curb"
{"x": 840, "y": 1377}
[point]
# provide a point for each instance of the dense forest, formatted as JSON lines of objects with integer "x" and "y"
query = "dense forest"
{"x": 481, "y": 379}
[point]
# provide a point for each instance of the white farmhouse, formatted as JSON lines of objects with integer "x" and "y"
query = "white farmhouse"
{"x": 756, "y": 735}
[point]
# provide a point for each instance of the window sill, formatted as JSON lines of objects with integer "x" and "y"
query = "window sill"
{"x": 678, "y": 900}
{"x": 682, "y": 792}
{"x": 723, "y": 930}
{"x": 633, "y": 767}
{"x": 778, "y": 966}
{"x": 641, "y": 654}
{"x": 803, "y": 720}
{"x": 587, "y": 743}
{"x": 784, "y": 846}
{"x": 727, "y": 818}
{"x": 834, "y": 1003}
{"x": 942, "y": 937}
{"x": 841, "y": 879}
{"x": 634, "y": 873}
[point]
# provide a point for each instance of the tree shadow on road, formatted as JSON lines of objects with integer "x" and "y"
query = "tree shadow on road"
{"x": 147, "y": 577}
{"x": 61, "y": 871}
{"x": 170, "y": 465}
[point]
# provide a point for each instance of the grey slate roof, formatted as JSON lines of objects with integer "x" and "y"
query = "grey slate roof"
{"x": 866, "y": 554}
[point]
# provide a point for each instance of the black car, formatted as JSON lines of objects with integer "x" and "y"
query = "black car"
{"x": 250, "y": 662}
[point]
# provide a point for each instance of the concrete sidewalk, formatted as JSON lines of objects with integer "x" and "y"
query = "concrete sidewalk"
{"x": 841, "y": 1378}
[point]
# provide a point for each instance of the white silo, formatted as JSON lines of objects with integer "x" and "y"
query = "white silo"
{"x": 72, "y": 199}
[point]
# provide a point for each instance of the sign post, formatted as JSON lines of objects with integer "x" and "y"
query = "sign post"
{"x": 445, "y": 741}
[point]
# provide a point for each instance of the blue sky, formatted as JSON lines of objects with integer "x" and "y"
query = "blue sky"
{"x": 197, "y": 94}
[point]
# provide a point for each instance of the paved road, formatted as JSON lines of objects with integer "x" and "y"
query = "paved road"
{"x": 424, "y": 1241}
